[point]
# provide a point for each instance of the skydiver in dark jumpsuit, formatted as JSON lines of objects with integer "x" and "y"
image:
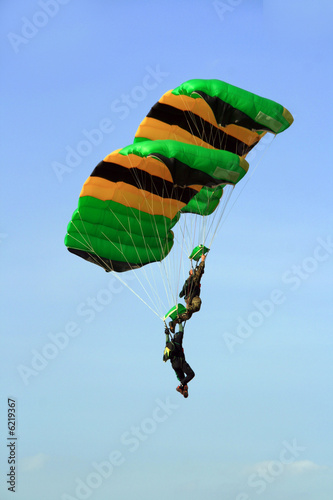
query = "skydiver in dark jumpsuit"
{"x": 175, "y": 352}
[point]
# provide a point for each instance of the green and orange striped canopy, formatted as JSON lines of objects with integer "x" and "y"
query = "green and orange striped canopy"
{"x": 191, "y": 144}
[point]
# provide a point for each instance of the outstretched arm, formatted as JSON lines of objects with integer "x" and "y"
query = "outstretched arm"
{"x": 184, "y": 289}
{"x": 199, "y": 271}
{"x": 178, "y": 337}
{"x": 167, "y": 334}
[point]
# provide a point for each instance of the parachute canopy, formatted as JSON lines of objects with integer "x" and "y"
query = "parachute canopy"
{"x": 213, "y": 114}
{"x": 133, "y": 198}
{"x": 169, "y": 189}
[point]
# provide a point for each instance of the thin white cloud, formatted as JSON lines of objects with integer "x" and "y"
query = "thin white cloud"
{"x": 297, "y": 467}
{"x": 303, "y": 466}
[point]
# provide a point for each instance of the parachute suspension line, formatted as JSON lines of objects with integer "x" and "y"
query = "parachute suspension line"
{"x": 247, "y": 179}
{"x": 149, "y": 276}
{"x": 179, "y": 268}
{"x": 151, "y": 280}
{"x": 192, "y": 225}
{"x": 112, "y": 243}
{"x": 136, "y": 294}
{"x": 221, "y": 211}
{"x": 212, "y": 136}
{"x": 144, "y": 269}
{"x": 86, "y": 238}
{"x": 164, "y": 264}
{"x": 147, "y": 271}
{"x": 212, "y": 220}
{"x": 205, "y": 225}
{"x": 136, "y": 277}
{"x": 84, "y": 235}
{"x": 187, "y": 226}
{"x": 188, "y": 222}
{"x": 124, "y": 255}
{"x": 168, "y": 265}
{"x": 194, "y": 230}
{"x": 182, "y": 259}
{"x": 209, "y": 221}
{"x": 162, "y": 249}
{"x": 89, "y": 247}
{"x": 76, "y": 239}
{"x": 172, "y": 263}
{"x": 198, "y": 224}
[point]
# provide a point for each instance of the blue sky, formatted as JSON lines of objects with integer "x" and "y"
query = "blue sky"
{"x": 97, "y": 412}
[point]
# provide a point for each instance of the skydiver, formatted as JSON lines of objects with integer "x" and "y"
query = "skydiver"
{"x": 191, "y": 291}
{"x": 175, "y": 352}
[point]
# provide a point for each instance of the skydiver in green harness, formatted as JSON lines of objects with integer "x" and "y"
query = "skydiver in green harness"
{"x": 175, "y": 352}
{"x": 191, "y": 293}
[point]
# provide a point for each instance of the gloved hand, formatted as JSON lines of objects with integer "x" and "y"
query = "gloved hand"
{"x": 166, "y": 354}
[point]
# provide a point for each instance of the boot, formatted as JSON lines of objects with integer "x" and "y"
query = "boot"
{"x": 180, "y": 389}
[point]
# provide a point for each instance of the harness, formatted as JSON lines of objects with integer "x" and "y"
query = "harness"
{"x": 170, "y": 347}
{"x": 192, "y": 287}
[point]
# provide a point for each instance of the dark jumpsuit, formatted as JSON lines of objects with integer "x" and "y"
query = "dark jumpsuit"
{"x": 182, "y": 369}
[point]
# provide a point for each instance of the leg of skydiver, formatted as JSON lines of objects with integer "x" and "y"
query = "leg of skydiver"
{"x": 191, "y": 307}
{"x": 182, "y": 368}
